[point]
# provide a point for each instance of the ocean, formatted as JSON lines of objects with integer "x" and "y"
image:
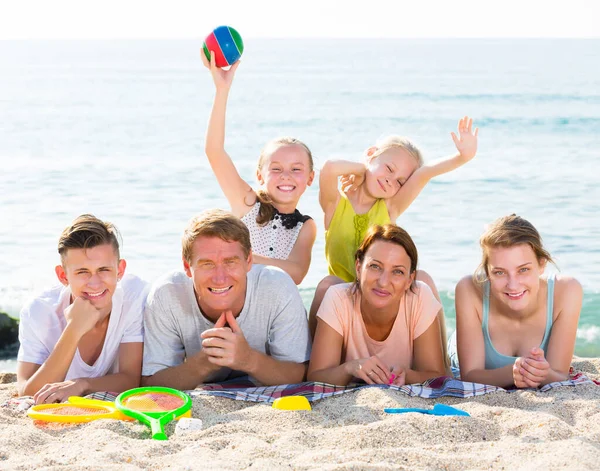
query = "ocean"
{"x": 116, "y": 128}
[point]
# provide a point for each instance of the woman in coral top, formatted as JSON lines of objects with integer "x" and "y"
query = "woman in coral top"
{"x": 379, "y": 329}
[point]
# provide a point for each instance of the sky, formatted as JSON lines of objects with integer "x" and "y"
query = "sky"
{"x": 114, "y": 19}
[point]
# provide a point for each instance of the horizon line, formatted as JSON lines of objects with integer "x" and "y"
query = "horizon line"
{"x": 410, "y": 38}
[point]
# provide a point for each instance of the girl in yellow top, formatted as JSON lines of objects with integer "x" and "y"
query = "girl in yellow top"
{"x": 377, "y": 191}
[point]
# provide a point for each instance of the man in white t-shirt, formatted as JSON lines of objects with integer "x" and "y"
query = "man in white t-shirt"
{"x": 223, "y": 317}
{"x": 86, "y": 335}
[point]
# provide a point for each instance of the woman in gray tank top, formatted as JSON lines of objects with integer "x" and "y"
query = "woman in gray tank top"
{"x": 516, "y": 326}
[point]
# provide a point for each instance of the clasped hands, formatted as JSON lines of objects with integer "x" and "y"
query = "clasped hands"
{"x": 531, "y": 370}
{"x": 373, "y": 371}
{"x": 225, "y": 344}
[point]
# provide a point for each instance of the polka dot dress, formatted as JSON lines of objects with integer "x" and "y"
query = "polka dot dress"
{"x": 276, "y": 238}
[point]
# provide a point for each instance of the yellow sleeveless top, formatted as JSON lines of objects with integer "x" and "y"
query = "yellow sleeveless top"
{"x": 345, "y": 234}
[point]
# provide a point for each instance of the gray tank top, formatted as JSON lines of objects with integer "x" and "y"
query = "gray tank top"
{"x": 495, "y": 359}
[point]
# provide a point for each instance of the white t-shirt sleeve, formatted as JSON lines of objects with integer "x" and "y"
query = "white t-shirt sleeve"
{"x": 136, "y": 291}
{"x": 41, "y": 324}
{"x": 33, "y": 348}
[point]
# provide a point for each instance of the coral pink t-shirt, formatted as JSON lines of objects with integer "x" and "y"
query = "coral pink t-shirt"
{"x": 341, "y": 311}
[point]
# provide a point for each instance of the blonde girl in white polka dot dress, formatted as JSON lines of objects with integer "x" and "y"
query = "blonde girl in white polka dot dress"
{"x": 280, "y": 235}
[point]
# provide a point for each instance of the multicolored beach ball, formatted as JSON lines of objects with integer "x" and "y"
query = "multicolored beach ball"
{"x": 226, "y": 43}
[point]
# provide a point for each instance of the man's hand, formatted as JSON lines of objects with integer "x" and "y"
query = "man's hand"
{"x": 82, "y": 316}
{"x": 59, "y": 392}
{"x": 466, "y": 141}
{"x": 227, "y": 346}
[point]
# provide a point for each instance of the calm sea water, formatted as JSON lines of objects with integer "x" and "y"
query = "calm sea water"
{"x": 116, "y": 128}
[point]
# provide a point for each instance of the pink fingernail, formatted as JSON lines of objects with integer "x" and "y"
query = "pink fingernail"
{"x": 392, "y": 378}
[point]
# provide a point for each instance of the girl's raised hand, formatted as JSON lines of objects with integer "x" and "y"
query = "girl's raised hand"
{"x": 221, "y": 77}
{"x": 466, "y": 141}
{"x": 351, "y": 182}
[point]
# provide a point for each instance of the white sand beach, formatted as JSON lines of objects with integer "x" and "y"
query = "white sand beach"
{"x": 559, "y": 429}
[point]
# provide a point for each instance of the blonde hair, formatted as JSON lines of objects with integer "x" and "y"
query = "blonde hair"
{"x": 509, "y": 231}
{"x": 215, "y": 223}
{"x": 267, "y": 210}
{"x": 397, "y": 142}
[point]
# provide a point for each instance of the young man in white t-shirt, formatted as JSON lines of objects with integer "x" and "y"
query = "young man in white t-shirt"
{"x": 86, "y": 335}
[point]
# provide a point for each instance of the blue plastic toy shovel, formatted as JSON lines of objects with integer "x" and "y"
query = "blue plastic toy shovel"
{"x": 438, "y": 409}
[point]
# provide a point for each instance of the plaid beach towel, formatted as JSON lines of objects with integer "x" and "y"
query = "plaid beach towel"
{"x": 243, "y": 389}
{"x": 431, "y": 389}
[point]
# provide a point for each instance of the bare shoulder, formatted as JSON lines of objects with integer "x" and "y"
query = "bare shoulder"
{"x": 567, "y": 291}
{"x": 468, "y": 298}
{"x": 466, "y": 287}
{"x": 309, "y": 225}
{"x": 308, "y": 231}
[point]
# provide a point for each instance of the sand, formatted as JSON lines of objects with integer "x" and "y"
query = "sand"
{"x": 559, "y": 429}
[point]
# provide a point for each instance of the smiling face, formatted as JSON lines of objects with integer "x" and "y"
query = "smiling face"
{"x": 92, "y": 274}
{"x": 514, "y": 274}
{"x": 387, "y": 172}
{"x": 219, "y": 272}
{"x": 384, "y": 276}
{"x": 286, "y": 173}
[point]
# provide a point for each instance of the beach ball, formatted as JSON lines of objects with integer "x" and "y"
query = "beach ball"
{"x": 226, "y": 43}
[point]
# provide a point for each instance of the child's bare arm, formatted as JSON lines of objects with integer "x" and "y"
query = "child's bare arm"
{"x": 239, "y": 194}
{"x": 298, "y": 262}
{"x": 328, "y": 180}
{"x": 466, "y": 145}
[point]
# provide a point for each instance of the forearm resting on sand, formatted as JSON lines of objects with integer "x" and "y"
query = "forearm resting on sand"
{"x": 502, "y": 377}
{"x": 269, "y": 371}
{"x": 337, "y": 375}
{"x": 554, "y": 376}
{"x": 417, "y": 377}
{"x": 188, "y": 375}
{"x": 54, "y": 369}
{"x": 117, "y": 382}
